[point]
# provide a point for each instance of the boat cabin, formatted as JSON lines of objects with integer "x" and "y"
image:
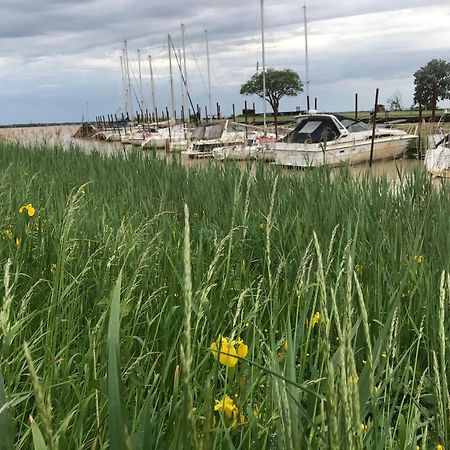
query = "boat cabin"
{"x": 317, "y": 128}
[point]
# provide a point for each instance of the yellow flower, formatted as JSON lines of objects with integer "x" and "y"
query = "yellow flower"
{"x": 242, "y": 349}
{"x": 28, "y": 208}
{"x": 439, "y": 447}
{"x": 419, "y": 259}
{"x": 227, "y": 406}
{"x": 315, "y": 319}
{"x": 285, "y": 345}
{"x": 358, "y": 268}
{"x": 364, "y": 426}
{"x": 7, "y": 234}
{"x": 17, "y": 241}
{"x": 53, "y": 268}
{"x": 227, "y": 352}
{"x": 262, "y": 226}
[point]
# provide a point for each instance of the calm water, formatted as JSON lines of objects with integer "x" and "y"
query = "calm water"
{"x": 62, "y": 136}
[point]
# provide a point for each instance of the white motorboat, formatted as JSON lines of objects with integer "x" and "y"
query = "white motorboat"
{"x": 332, "y": 140}
{"x": 215, "y": 134}
{"x": 437, "y": 160}
{"x": 160, "y": 138}
{"x": 256, "y": 147}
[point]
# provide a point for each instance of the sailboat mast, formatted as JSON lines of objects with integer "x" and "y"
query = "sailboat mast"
{"x": 152, "y": 84}
{"x": 127, "y": 75}
{"x": 306, "y": 51}
{"x": 141, "y": 107}
{"x": 124, "y": 83}
{"x": 185, "y": 87}
{"x": 209, "y": 72}
{"x": 169, "y": 42}
{"x": 263, "y": 64}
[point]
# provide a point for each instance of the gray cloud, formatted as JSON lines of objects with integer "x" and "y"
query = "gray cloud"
{"x": 55, "y": 56}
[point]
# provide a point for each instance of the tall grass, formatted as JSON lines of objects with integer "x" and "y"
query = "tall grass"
{"x": 131, "y": 267}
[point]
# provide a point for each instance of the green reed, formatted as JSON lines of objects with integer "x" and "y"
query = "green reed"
{"x": 131, "y": 267}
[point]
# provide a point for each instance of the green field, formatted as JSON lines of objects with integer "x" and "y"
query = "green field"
{"x": 120, "y": 273}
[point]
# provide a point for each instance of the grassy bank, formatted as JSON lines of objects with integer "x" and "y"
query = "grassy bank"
{"x": 120, "y": 273}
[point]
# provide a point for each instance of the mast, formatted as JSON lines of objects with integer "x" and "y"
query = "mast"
{"x": 141, "y": 107}
{"x": 127, "y": 75}
{"x": 185, "y": 87}
{"x": 169, "y": 42}
{"x": 152, "y": 84}
{"x": 306, "y": 51}
{"x": 209, "y": 72}
{"x": 183, "y": 96}
{"x": 263, "y": 64}
{"x": 124, "y": 83}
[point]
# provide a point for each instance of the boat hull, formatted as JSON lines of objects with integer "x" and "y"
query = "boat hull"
{"x": 312, "y": 155}
{"x": 244, "y": 152}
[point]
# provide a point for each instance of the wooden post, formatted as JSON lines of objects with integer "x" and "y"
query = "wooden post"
{"x": 199, "y": 113}
{"x": 156, "y": 117}
{"x": 234, "y": 113}
{"x": 218, "y": 110}
{"x": 315, "y": 103}
{"x": 307, "y": 104}
{"x": 374, "y": 117}
{"x": 206, "y": 114}
{"x": 245, "y": 111}
{"x": 356, "y": 106}
{"x": 168, "y": 124}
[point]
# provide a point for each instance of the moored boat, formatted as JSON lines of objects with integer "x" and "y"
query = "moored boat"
{"x": 332, "y": 140}
{"x": 437, "y": 160}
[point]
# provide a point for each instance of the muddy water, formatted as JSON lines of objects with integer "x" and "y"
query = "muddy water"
{"x": 61, "y": 135}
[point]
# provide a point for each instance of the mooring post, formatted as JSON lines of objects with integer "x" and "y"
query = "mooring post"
{"x": 218, "y": 110}
{"x": 356, "y": 106}
{"x": 206, "y": 114}
{"x": 315, "y": 103}
{"x": 234, "y": 113}
{"x": 245, "y": 112}
{"x": 168, "y": 124}
{"x": 374, "y": 118}
{"x": 307, "y": 103}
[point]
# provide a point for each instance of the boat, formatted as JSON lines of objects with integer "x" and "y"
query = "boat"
{"x": 160, "y": 138}
{"x": 437, "y": 160}
{"x": 332, "y": 140}
{"x": 211, "y": 135}
{"x": 259, "y": 145}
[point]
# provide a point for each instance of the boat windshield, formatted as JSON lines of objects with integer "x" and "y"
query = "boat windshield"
{"x": 353, "y": 126}
{"x": 314, "y": 130}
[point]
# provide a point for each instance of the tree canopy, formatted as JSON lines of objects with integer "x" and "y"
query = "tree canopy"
{"x": 432, "y": 83}
{"x": 279, "y": 83}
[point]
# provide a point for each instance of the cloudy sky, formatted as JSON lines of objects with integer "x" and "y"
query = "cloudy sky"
{"x": 60, "y": 60}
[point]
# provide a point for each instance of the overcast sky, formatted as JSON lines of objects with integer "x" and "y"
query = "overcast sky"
{"x": 60, "y": 60}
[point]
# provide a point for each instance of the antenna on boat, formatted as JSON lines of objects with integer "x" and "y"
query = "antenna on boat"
{"x": 263, "y": 64}
{"x": 209, "y": 72}
{"x": 152, "y": 84}
{"x": 306, "y": 51}
{"x": 169, "y": 41}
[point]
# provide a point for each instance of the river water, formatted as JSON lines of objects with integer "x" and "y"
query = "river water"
{"x": 61, "y": 135}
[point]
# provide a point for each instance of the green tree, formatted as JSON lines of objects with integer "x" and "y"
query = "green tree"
{"x": 394, "y": 102}
{"x": 279, "y": 83}
{"x": 432, "y": 83}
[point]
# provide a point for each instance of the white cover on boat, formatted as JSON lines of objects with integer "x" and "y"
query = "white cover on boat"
{"x": 437, "y": 160}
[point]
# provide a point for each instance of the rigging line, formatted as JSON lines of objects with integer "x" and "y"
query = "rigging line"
{"x": 134, "y": 92}
{"x": 196, "y": 63}
{"x": 185, "y": 83}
